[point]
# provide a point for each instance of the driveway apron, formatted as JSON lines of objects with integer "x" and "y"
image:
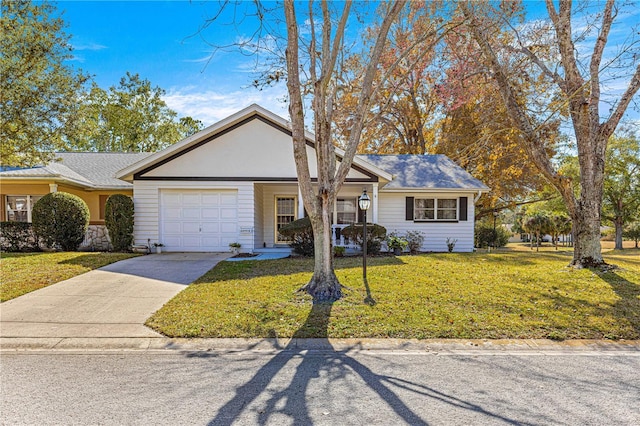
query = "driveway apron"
{"x": 112, "y": 301}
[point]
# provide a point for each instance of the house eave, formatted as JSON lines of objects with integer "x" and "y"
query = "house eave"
{"x": 439, "y": 190}
{"x": 58, "y": 179}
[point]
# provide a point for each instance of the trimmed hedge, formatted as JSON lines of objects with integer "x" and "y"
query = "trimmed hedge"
{"x": 301, "y": 235}
{"x": 61, "y": 220}
{"x": 118, "y": 218}
{"x": 376, "y": 234}
{"x": 18, "y": 237}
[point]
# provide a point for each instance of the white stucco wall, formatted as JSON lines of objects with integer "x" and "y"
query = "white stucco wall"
{"x": 254, "y": 149}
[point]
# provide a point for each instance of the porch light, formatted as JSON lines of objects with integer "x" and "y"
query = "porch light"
{"x": 364, "y": 202}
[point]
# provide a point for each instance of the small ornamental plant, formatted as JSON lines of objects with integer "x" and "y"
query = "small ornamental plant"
{"x": 415, "y": 240}
{"x": 397, "y": 243}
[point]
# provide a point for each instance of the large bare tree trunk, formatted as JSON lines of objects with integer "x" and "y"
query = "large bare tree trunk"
{"x": 582, "y": 95}
{"x": 322, "y": 71}
{"x": 324, "y": 285}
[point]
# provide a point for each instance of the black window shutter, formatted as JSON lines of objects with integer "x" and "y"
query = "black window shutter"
{"x": 463, "y": 208}
{"x": 409, "y": 209}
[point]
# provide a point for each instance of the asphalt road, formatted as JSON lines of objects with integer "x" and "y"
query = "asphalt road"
{"x": 323, "y": 388}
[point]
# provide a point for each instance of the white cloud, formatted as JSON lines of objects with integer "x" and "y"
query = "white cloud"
{"x": 88, "y": 46}
{"x": 211, "y": 106}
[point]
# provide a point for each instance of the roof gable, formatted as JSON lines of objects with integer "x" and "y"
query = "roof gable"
{"x": 253, "y": 144}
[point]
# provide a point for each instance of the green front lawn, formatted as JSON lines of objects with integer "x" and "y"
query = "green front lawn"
{"x": 504, "y": 294}
{"x": 25, "y": 272}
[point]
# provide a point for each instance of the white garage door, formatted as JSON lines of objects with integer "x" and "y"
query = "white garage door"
{"x": 204, "y": 220}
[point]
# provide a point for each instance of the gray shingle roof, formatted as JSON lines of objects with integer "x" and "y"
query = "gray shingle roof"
{"x": 424, "y": 172}
{"x": 93, "y": 169}
{"x": 97, "y": 170}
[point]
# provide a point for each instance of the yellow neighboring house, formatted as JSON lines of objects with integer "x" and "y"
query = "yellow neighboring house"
{"x": 89, "y": 175}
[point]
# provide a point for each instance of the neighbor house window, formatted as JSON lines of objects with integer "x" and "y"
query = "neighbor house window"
{"x": 435, "y": 209}
{"x": 19, "y": 207}
{"x": 285, "y": 214}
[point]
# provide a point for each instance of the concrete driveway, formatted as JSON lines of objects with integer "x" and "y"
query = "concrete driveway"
{"x": 112, "y": 301}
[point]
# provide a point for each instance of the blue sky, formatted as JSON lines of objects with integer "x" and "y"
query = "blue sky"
{"x": 159, "y": 40}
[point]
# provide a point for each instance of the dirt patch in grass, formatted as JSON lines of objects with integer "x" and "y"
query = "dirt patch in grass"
{"x": 26, "y": 272}
{"x": 459, "y": 295}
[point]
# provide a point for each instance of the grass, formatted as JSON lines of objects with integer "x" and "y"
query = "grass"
{"x": 504, "y": 294}
{"x": 25, "y": 272}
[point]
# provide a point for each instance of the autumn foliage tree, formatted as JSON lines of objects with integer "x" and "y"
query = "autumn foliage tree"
{"x": 432, "y": 98}
{"x": 403, "y": 111}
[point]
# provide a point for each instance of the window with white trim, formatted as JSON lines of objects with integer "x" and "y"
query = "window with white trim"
{"x": 19, "y": 207}
{"x": 435, "y": 209}
{"x": 347, "y": 210}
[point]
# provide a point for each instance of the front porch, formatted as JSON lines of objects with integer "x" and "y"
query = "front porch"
{"x": 277, "y": 204}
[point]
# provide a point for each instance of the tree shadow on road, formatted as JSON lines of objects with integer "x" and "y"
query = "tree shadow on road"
{"x": 292, "y": 401}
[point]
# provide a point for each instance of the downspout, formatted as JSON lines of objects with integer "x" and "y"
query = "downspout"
{"x": 475, "y": 200}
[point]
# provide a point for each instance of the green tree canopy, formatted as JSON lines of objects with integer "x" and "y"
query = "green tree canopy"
{"x": 130, "y": 117}
{"x": 39, "y": 92}
{"x": 621, "y": 198}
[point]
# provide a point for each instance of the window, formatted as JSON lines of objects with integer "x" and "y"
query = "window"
{"x": 424, "y": 209}
{"x": 285, "y": 213}
{"x": 435, "y": 209}
{"x": 19, "y": 207}
{"x": 347, "y": 209}
{"x": 447, "y": 209}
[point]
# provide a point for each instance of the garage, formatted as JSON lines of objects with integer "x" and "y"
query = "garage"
{"x": 198, "y": 220}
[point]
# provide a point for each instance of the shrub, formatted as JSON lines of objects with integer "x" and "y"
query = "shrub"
{"x": 118, "y": 218}
{"x": 301, "y": 235}
{"x": 486, "y": 236}
{"x": 375, "y": 235}
{"x": 339, "y": 251}
{"x": 415, "y": 240}
{"x": 61, "y": 220}
{"x": 395, "y": 242}
{"x": 17, "y": 236}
